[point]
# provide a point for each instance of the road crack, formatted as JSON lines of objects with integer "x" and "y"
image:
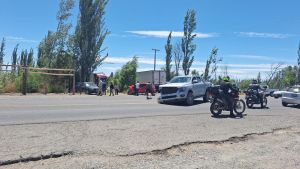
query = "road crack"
{"x": 235, "y": 139}
{"x": 36, "y": 158}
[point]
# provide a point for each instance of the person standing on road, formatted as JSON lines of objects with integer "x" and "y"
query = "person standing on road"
{"x": 149, "y": 90}
{"x": 104, "y": 87}
{"x": 100, "y": 84}
{"x": 111, "y": 89}
{"x": 117, "y": 89}
{"x": 137, "y": 88}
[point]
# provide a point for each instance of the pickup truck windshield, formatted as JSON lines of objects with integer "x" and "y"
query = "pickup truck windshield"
{"x": 180, "y": 80}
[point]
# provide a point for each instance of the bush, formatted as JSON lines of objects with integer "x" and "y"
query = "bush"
{"x": 7, "y": 83}
{"x": 36, "y": 83}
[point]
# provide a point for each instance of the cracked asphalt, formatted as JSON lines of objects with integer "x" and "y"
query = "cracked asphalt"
{"x": 132, "y": 132}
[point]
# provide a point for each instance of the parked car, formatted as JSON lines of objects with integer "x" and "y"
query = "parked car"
{"x": 184, "y": 88}
{"x": 142, "y": 90}
{"x": 291, "y": 96}
{"x": 277, "y": 94}
{"x": 87, "y": 87}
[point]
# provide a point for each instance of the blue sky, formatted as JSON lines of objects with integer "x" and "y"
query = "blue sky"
{"x": 250, "y": 35}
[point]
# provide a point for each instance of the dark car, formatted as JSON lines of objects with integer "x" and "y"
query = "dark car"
{"x": 131, "y": 89}
{"x": 87, "y": 87}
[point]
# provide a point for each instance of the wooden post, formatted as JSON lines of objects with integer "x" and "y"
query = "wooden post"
{"x": 74, "y": 82}
{"x": 24, "y": 84}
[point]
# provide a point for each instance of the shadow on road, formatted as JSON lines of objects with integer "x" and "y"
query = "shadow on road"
{"x": 294, "y": 106}
{"x": 196, "y": 102}
{"x": 223, "y": 116}
{"x": 265, "y": 108}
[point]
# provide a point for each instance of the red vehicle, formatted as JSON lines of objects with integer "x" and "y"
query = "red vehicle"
{"x": 131, "y": 89}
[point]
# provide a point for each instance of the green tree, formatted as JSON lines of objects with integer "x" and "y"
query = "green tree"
{"x": 298, "y": 64}
{"x": 177, "y": 52}
{"x": 289, "y": 75}
{"x": 187, "y": 45}
{"x": 168, "y": 48}
{"x": 195, "y": 72}
{"x": 128, "y": 74}
{"x": 14, "y": 58}
{"x": 46, "y": 54}
{"x": 23, "y": 59}
{"x": 215, "y": 64}
{"x": 30, "y": 61}
{"x": 259, "y": 78}
{"x": 211, "y": 60}
{"x": 90, "y": 35}
{"x": 54, "y": 45}
{"x": 244, "y": 84}
{"x": 2, "y": 48}
{"x": 62, "y": 35}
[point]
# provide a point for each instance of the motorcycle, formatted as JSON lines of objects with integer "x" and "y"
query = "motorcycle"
{"x": 252, "y": 98}
{"x": 218, "y": 105}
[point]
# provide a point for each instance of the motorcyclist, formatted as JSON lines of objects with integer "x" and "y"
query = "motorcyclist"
{"x": 254, "y": 86}
{"x": 225, "y": 87}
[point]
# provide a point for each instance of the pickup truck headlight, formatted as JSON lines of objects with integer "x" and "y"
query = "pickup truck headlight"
{"x": 181, "y": 89}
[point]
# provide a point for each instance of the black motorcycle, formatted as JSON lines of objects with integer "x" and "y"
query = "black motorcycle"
{"x": 253, "y": 97}
{"x": 218, "y": 104}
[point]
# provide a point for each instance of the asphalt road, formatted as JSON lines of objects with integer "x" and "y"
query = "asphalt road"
{"x": 132, "y": 132}
{"x": 62, "y": 108}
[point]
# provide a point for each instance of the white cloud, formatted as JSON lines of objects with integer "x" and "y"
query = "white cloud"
{"x": 263, "y": 35}
{"x": 257, "y": 57}
{"x": 164, "y": 34}
{"x": 19, "y": 39}
{"x": 241, "y": 71}
{"x": 141, "y": 60}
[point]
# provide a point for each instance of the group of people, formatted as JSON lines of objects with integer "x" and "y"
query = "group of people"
{"x": 149, "y": 89}
{"x": 113, "y": 89}
{"x": 226, "y": 87}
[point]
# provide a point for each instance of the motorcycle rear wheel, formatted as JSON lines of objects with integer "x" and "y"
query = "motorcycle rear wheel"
{"x": 264, "y": 103}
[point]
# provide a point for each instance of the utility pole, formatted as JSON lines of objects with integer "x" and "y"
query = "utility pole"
{"x": 155, "y": 50}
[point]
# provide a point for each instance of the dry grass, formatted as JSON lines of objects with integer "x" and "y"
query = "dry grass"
{"x": 10, "y": 87}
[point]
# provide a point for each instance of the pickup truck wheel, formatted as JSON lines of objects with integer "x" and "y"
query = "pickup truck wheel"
{"x": 284, "y": 104}
{"x": 206, "y": 97}
{"x": 190, "y": 99}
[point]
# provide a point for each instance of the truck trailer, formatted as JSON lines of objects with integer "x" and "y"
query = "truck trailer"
{"x": 157, "y": 77}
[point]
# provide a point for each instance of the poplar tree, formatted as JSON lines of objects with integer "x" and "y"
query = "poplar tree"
{"x": 299, "y": 64}
{"x": 211, "y": 60}
{"x": 2, "y": 48}
{"x": 168, "y": 48}
{"x": 187, "y": 45}
{"x": 90, "y": 35}
{"x": 14, "y": 58}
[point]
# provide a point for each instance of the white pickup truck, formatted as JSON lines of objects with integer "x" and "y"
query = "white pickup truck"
{"x": 184, "y": 88}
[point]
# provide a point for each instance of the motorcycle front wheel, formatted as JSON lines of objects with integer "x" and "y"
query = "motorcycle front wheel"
{"x": 216, "y": 108}
{"x": 249, "y": 103}
{"x": 239, "y": 107}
